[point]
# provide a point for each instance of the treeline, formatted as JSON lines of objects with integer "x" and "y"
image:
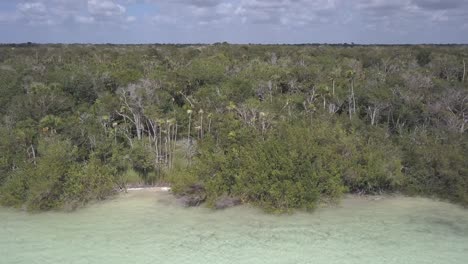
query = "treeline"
{"x": 283, "y": 127}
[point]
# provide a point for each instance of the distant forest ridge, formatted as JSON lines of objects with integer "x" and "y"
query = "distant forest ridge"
{"x": 352, "y": 44}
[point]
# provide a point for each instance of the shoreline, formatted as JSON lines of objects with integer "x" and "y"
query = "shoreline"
{"x": 347, "y": 200}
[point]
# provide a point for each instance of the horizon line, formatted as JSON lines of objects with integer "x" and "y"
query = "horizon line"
{"x": 227, "y": 43}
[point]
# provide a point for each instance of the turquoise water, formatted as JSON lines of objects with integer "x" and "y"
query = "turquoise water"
{"x": 149, "y": 227}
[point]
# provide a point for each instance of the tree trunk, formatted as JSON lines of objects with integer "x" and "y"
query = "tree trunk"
{"x": 373, "y": 114}
{"x": 138, "y": 125}
{"x": 189, "y": 126}
{"x": 160, "y": 142}
{"x": 166, "y": 145}
{"x": 354, "y": 98}
{"x": 209, "y": 125}
{"x": 332, "y": 108}
{"x": 351, "y": 100}
{"x": 201, "y": 126}
{"x": 333, "y": 85}
{"x": 174, "y": 142}
{"x": 464, "y": 71}
{"x": 33, "y": 152}
{"x": 270, "y": 89}
{"x": 464, "y": 121}
{"x": 350, "y": 110}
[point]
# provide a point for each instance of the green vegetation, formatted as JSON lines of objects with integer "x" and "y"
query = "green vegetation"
{"x": 281, "y": 127}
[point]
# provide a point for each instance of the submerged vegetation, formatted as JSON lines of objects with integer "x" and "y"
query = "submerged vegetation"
{"x": 282, "y": 127}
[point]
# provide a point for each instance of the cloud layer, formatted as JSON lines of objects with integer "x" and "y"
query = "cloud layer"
{"x": 286, "y": 21}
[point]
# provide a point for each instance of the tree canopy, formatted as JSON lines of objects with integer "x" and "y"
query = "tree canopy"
{"x": 283, "y": 127}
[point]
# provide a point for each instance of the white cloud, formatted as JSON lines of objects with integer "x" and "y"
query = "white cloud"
{"x": 164, "y": 19}
{"x": 84, "y": 19}
{"x": 286, "y": 12}
{"x": 37, "y": 8}
{"x": 8, "y": 17}
{"x": 105, "y": 8}
{"x": 401, "y": 15}
{"x": 35, "y": 13}
{"x": 246, "y": 17}
{"x": 199, "y": 3}
{"x": 56, "y": 12}
{"x": 275, "y": 12}
{"x": 439, "y": 4}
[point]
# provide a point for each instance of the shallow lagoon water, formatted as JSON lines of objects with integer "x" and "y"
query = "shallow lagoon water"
{"x": 149, "y": 227}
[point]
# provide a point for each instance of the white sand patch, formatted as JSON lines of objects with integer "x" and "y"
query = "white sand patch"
{"x": 155, "y": 189}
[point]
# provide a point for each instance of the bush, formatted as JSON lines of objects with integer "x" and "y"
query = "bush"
{"x": 46, "y": 182}
{"x": 434, "y": 167}
{"x": 91, "y": 181}
{"x": 295, "y": 167}
{"x": 423, "y": 57}
{"x": 15, "y": 190}
{"x": 58, "y": 180}
{"x": 376, "y": 165}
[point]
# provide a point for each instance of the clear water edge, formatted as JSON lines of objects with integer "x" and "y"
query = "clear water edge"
{"x": 149, "y": 227}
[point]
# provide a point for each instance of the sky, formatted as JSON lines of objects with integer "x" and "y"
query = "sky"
{"x": 240, "y": 21}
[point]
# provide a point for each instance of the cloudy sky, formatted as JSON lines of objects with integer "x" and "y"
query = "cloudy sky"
{"x": 234, "y": 21}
